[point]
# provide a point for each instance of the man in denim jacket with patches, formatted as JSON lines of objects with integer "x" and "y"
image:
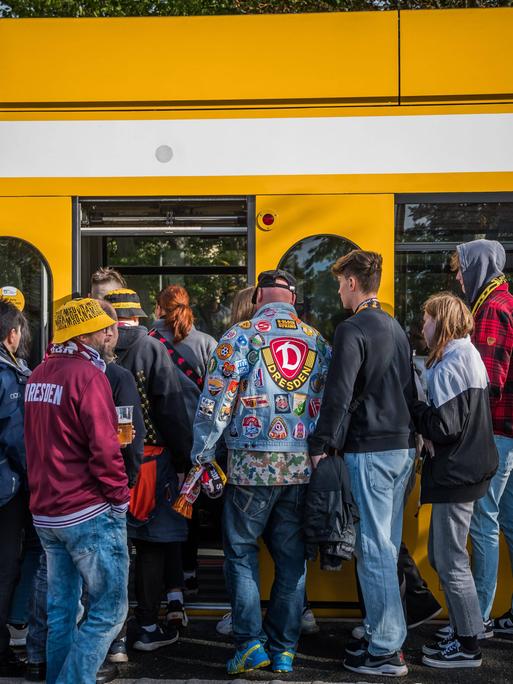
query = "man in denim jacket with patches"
{"x": 263, "y": 391}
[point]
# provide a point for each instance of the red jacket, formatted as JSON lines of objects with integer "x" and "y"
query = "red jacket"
{"x": 73, "y": 455}
{"x": 493, "y": 337}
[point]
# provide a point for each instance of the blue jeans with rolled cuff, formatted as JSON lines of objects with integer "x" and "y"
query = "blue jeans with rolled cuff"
{"x": 274, "y": 513}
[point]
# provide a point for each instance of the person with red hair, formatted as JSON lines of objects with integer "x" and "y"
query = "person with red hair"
{"x": 190, "y": 349}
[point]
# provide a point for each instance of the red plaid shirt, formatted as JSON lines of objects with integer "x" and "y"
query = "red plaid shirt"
{"x": 493, "y": 337}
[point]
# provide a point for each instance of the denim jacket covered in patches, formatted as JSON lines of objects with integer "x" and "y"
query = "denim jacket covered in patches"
{"x": 264, "y": 385}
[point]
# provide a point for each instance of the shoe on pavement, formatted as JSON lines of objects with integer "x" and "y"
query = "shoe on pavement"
{"x": 488, "y": 630}
{"x": 308, "y": 624}
{"x": 176, "y": 615}
{"x": 434, "y": 647}
{"x": 503, "y": 624}
{"x": 453, "y": 656}
{"x": 11, "y": 665}
{"x": 418, "y": 617}
{"x": 282, "y": 662}
{"x": 358, "y": 632}
{"x": 251, "y": 656}
{"x": 191, "y": 586}
{"x": 18, "y": 635}
{"x": 444, "y": 632}
{"x": 357, "y": 647}
{"x": 150, "y": 641}
{"x": 224, "y": 626}
{"x": 106, "y": 673}
{"x": 117, "y": 651}
{"x": 391, "y": 665}
{"x": 35, "y": 672}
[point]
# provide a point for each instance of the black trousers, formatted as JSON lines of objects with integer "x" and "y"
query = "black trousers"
{"x": 13, "y": 518}
{"x": 158, "y": 568}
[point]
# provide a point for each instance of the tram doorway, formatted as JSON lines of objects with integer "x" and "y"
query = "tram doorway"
{"x": 205, "y": 244}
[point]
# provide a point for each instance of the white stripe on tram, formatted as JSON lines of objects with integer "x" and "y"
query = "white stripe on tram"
{"x": 448, "y": 143}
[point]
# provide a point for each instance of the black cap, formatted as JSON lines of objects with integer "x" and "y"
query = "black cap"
{"x": 269, "y": 278}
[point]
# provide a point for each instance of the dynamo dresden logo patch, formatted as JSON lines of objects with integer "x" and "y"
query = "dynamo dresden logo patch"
{"x": 289, "y": 362}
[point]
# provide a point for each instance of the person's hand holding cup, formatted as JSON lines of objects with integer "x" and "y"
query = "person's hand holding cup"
{"x": 125, "y": 426}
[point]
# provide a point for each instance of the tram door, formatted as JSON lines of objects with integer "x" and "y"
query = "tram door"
{"x": 305, "y": 235}
{"x": 203, "y": 244}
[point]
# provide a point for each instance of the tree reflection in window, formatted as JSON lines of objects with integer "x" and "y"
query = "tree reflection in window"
{"x": 310, "y": 261}
{"x": 22, "y": 266}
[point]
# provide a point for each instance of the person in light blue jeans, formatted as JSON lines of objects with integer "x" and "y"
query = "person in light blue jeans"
{"x": 96, "y": 553}
{"x": 378, "y": 484}
{"x": 491, "y": 513}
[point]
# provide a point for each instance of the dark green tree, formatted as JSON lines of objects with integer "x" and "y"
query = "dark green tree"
{"x": 134, "y": 8}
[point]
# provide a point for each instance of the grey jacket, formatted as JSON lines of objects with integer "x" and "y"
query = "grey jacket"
{"x": 196, "y": 348}
{"x": 480, "y": 261}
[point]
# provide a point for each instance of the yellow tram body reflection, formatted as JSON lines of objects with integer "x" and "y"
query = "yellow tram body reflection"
{"x": 269, "y": 139}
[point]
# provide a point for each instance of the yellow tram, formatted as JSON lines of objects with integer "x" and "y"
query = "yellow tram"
{"x": 205, "y": 149}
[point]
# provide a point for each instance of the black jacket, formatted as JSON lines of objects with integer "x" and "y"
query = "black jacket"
{"x": 330, "y": 514}
{"x": 124, "y": 393}
{"x": 458, "y": 421}
{"x": 158, "y": 384}
{"x": 371, "y": 361}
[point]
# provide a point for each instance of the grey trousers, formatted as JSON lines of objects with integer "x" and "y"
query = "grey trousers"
{"x": 447, "y": 552}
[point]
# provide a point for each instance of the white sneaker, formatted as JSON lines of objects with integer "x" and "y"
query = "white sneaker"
{"x": 18, "y": 635}
{"x": 224, "y": 626}
{"x": 358, "y": 632}
{"x": 308, "y": 623}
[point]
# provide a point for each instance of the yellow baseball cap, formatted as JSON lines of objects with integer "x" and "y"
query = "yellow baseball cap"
{"x": 80, "y": 317}
{"x": 11, "y": 294}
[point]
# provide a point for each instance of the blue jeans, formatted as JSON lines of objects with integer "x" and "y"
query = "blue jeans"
{"x": 276, "y": 514}
{"x": 493, "y": 511}
{"x": 378, "y": 483}
{"x": 96, "y": 553}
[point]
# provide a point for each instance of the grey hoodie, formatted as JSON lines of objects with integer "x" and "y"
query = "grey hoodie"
{"x": 480, "y": 261}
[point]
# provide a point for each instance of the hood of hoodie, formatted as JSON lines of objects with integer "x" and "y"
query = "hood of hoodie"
{"x": 17, "y": 365}
{"x": 129, "y": 335}
{"x": 480, "y": 261}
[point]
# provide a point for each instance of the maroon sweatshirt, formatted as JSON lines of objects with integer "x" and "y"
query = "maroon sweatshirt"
{"x": 74, "y": 463}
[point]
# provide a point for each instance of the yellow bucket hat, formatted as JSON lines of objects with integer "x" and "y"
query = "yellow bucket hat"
{"x": 79, "y": 317}
{"x": 11, "y": 294}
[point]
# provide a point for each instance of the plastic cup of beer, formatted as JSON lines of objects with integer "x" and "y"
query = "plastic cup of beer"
{"x": 125, "y": 427}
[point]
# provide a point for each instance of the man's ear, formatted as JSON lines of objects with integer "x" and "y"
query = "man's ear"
{"x": 294, "y": 298}
{"x": 351, "y": 281}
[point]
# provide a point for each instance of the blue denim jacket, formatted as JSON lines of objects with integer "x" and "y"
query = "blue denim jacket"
{"x": 264, "y": 385}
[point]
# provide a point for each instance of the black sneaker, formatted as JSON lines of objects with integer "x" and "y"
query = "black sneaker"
{"x": 357, "y": 646}
{"x": 150, "y": 641}
{"x": 191, "y": 586}
{"x": 117, "y": 652}
{"x": 503, "y": 624}
{"x": 392, "y": 665}
{"x": 445, "y": 632}
{"x": 106, "y": 673}
{"x": 453, "y": 656}
{"x": 433, "y": 647}
{"x": 488, "y": 630}
{"x": 176, "y": 615}
{"x": 11, "y": 665}
{"x": 425, "y": 607}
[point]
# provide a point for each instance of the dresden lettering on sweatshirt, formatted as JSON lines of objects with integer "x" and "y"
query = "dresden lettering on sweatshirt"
{"x": 46, "y": 392}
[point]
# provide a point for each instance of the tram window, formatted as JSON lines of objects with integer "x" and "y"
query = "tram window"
{"x": 22, "y": 266}
{"x": 454, "y": 222}
{"x": 229, "y": 250}
{"x": 310, "y": 261}
{"x": 419, "y": 275}
{"x": 211, "y": 297}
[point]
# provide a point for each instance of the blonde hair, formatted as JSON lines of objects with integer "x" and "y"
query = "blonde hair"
{"x": 454, "y": 262}
{"x": 242, "y": 307}
{"x": 453, "y": 321}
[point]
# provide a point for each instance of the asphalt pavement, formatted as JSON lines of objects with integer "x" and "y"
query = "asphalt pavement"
{"x": 201, "y": 653}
